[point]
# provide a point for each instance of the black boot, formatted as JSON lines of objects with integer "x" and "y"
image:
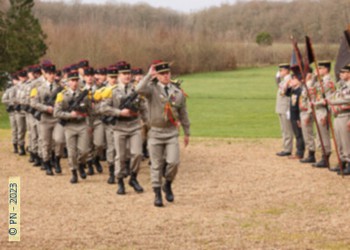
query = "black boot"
{"x": 65, "y": 153}
{"x": 31, "y": 157}
{"x": 337, "y": 168}
{"x": 346, "y": 171}
{"x": 52, "y": 160}
{"x": 48, "y": 168}
{"x": 37, "y": 161}
{"x": 158, "y": 201}
{"x": 42, "y": 165}
{"x": 134, "y": 183}
{"x": 98, "y": 164}
{"x": 82, "y": 171}
{"x": 103, "y": 156}
{"x": 22, "y": 151}
{"x": 127, "y": 167}
{"x": 169, "y": 196}
{"x": 74, "y": 177}
{"x": 58, "y": 169}
{"x": 145, "y": 150}
{"x": 310, "y": 159}
{"x": 15, "y": 148}
{"x": 323, "y": 163}
{"x": 164, "y": 168}
{"x": 121, "y": 187}
{"x": 111, "y": 179}
{"x": 90, "y": 168}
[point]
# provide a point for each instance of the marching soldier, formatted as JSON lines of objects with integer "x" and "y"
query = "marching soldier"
{"x": 126, "y": 130}
{"x": 282, "y": 109}
{"x": 321, "y": 111}
{"x": 48, "y": 125}
{"x": 167, "y": 110}
{"x": 73, "y": 107}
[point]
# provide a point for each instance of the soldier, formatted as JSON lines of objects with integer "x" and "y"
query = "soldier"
{"x": 101, "y": 76}
{"x": 282, "y": 109}
{"x": 8, "y": 99}
{"x": 321, "y": 111}
{"x": 167, "y": 110}
{"x": 73, "y": 107}
{"x": 48, "y": 125}
{"x": 340, "y": 106}
{"x": 126, "y": 130}
{"x": 306, "y": 117}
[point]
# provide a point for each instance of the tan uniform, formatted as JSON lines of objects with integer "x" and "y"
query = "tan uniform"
{"x": 8, "y": 99}
{"x": 163, "y": 135}
{"x": 48, "y": 124}
{"x": 20, "y": 114}
{"x": 75, "y": 129}
{"x": 283, "y": 111}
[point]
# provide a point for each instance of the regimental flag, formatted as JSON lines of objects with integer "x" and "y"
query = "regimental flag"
{"x": 343, "y": 57}
{"x": 310, "y": 58}
{"x": 296, "y": 60}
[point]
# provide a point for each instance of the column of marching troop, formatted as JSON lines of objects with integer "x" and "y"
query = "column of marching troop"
{"x": 88, "y": 115}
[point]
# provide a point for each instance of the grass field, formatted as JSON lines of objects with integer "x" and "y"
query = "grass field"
{"x": 227, "y": 104}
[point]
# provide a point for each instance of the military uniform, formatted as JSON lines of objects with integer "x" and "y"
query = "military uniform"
{"x": 167, "y": 107}
{"x": 283, "y": 111}
{"x": 76, "y": 129}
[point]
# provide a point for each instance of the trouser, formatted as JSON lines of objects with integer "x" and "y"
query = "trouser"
{"x": 59, "y": 138}
{"x": 40, "y": 139}
{"x": 77, "y": 139}
{"x": 29, "y": 128}
{"x": 97, "y": 140}
{"x": 111, "y": 152}
{"x": 287, "y": 133}
{"x": 322, "y": 120}
{"x": 21, "y": 125}
{"x": 48, "y": 128}
{"x": 308, "y": 130}
{"x": 342, "y": 135}
{"x": 121, "y": 139}
{"x": 34, "y": 135}
{"x": 160, "y": 149}
{"x": 300, "y": 145}
{"x": 14, "y": 128}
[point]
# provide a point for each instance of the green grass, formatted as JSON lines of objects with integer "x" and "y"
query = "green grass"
{"x": 238, "y": 103}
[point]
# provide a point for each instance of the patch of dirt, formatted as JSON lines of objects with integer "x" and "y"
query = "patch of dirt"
{"x": 229, "y": 194}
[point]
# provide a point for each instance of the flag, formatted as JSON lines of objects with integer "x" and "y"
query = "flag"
{"x": 296, "y": 60}
{"x": 343, "y": 57}
{"x": 310, "y": 58}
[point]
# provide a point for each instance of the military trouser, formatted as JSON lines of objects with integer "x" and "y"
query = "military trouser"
{"x": 111, "y": 153}
{"x": 59, "y": 138}
{"x": 161, "y": 148}
{"x": 48, "y": 128}
{"x": 287, "y": 133}
{"x": 308, "y": 130}
{"x": 34, "y": 135}
{"x": 14, "y": 128}
{"x": 29, "y": 129}
{"x": 97, "y": 140}
{"x": 40, "y": 138}
{"x": 21, "y": 127}
{"x": 121, "y": 140}
{"x": 342, "y": 135}
{"x": 77, "y": 139}
{"x": 321, "y": 115}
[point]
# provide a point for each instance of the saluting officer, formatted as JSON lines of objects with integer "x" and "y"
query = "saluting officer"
{"x": 167, "y": 110}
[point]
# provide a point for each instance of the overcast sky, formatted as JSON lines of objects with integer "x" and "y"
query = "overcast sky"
{"x": 180, "y": 5}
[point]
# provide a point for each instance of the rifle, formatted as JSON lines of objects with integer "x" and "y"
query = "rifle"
{"x": 10, "y": 108}
{"x": 76, "y": 105}
{"x": 49, "y": 100}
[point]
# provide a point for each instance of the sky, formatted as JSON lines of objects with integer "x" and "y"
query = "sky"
{"x": 179, "y": 5}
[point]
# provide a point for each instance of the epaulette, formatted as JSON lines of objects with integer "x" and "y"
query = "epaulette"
{"x": 34, "y": 92}
{"x": 107, "y": 93}
{"x": 59, "y": 97}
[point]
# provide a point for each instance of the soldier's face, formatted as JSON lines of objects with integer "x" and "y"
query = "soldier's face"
{"x": 164, "y": 77}
{"x": 89, "y": 79}
{"x": 73, "y": 84}
{"x": 102, "y": 78}
{"x": 112, "y": 80}
{"x": 284, "y": 72}
{"x": 124, "y": 77}
{"x": 50, "y": 76}
{"x": 30, "y": 75}
{"x": 138, "y": 78}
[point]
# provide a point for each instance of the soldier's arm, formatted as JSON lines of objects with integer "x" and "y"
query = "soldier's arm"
{"x": 183, "y": 117}
{"x": 5, "y": 99}
{"x": 143, "y": 87}
{"x": 58, "y": 110}
{"x": 106, "y": 106}
{"x": 38, "y": 103}
{"x": 144, "y": 112}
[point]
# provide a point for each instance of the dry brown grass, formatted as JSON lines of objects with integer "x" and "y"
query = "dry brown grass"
{"x": 230, "y": 194}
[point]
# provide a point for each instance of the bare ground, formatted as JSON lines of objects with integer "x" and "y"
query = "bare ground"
{"x": 230, "y": 194}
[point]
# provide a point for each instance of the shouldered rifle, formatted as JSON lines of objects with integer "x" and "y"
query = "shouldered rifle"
{"x": 76, "y": 105}
{"x": 49, "y": 100}
{"x": 128, "y": 103}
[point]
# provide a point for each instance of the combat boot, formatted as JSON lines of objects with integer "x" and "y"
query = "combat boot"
{"x": 74, "y": 178}
{"x": 22, "y": 150}
{"x": 58, "y": 169}
{"x": 127, "y": 167}
{"x": 323, "y": 163}
{"x": 310, "y": 159}
{"x": 121, "y": 187}
{"x": 82, "y": 171}
{"x": 134, "y": 183}
{"x": 43, "y": 167}
{"x": 37, "y": 161}
{"x": 145, "y": 150}
{"x": 48, "y": 168}
{"x": 15, "y": 148}
{"x": 52, "y": 159}
{"x": 31, "y": 157}
{"x": 158, "y": 201}
{"x": 65, "y": 153}
{"x": 346, "y": 171}
{"x": 169, "y": 196}
{"x": 111, "y": 179}
{"x": 337, "y": 168}
{"x": 98, "y": 164}
{"x": 103, "y": 156}
{"x": 90, "y": 168}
